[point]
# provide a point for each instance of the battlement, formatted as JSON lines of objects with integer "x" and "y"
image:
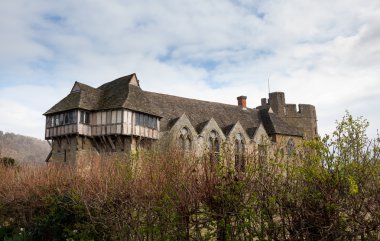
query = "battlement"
{"x": 304, "y": 110}
{"x": 291, "y": 109}
{"x": 277, "y": 102}
{"x": 303, "y": 117}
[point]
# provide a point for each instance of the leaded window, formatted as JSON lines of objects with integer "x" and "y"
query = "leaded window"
{"x": 65, "y": 118}
{"x": 84, "y": 117}
{"x": 61, "y": 119}
{"x": 239, "y": 153}
{"x": 213, "y": 142}
{"x": 49, "y": 121}
{"x": 146, "y": 121}
{"x": 214, "y": 145}
{"x": 184, "y": 140}
{"x": 56, "y": 118}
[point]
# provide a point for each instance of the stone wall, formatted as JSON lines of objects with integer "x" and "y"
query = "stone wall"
{"x": 305, "y": 118}
{"x": 75, "y": 149}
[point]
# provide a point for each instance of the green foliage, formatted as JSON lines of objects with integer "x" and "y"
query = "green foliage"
{"x": 339, "y": 175}
{"x": 62, "y": 217}
{"x": 7, "y": 234}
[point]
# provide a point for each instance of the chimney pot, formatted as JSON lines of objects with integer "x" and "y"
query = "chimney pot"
{"x": 242, "y": 101}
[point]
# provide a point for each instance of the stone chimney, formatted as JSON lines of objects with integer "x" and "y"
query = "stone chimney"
{"x": 242, "y": 101}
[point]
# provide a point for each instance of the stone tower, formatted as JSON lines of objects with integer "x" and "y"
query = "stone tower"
{"x": 305, "y": 118}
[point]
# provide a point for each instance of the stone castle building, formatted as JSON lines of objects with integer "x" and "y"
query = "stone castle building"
{"x": 119, "y": 117}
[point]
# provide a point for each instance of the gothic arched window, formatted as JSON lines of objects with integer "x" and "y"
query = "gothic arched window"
{"x": 213, "y": 142}
{"x": 239, "y": 153}
{"x": 214, "y": 145}
{"x": 185, "y": 139}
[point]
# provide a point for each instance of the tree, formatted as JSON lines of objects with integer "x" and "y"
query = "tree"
{"x": 340, "y": 182}
{"x": 7, "y": 161}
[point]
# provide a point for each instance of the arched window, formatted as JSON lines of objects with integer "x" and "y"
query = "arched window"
{"x": 213, "y": 142}
{"x": 214, "y": 145}
{"x": 239, "y": 153}
{"x": 290, "y": 146}
{"x": 185, "y": 139}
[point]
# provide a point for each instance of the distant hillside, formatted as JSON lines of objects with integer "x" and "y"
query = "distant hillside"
{"x": 23, "y": 149}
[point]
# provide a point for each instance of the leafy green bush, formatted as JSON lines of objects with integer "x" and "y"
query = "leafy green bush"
{"x": 6, "y": 234}
{"x": 62, "y": 217}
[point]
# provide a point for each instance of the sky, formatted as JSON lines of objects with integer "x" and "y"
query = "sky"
{"x": 325, "y": 53}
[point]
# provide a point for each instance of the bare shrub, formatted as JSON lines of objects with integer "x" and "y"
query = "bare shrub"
{"x": 323, "y": 191}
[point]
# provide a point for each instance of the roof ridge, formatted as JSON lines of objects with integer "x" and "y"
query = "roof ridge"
{"x": 206, "y": 101}
{"x": 109, "y": 82}
{"x": 86, "y": 85}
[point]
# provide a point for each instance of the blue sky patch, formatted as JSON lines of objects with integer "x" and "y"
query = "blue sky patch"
{"x": 47, "y": 66}
{"x": 207, "y": 64}
{"x": 167, "y": 56}
{"x": 57, "y": 19}
{"x": 213, "y": 84}
{"x": 253, "y": 9}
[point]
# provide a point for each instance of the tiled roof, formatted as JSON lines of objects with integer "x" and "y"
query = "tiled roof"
{"x": 112, "y": 95}
{"x": 273, "y": 124}
{"x": 120, "y": 93}
{"x": 87, "y": 99}
{"x": 200, "y": 112}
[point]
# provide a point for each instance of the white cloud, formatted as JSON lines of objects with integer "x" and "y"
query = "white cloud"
{"x": 319, "y": 52}
{"x": 22, "y": 106}
{"x": 19, "y": 119}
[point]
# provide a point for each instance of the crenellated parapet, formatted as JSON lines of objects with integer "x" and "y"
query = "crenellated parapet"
{"x": 304, "y": 118}
{"x": 303, "y": 111}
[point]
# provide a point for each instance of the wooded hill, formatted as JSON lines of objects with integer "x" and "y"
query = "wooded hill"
{"x": 23, "y": 149}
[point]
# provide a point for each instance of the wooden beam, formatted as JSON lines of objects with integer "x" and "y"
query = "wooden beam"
{"x": 118, "y": 139}
{"x": 105, "y": 142}
{"x": 111, "y": 143}
{"x": 48, "y": 157}
{"x": 77, "y": 142}
{"x": 59, "y": 141}
{"x": 68, "y": 143}
{"x": 97, "y": 147}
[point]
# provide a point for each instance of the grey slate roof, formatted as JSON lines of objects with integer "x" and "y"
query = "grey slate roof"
{"x": 273, "y": 124}
{"x": 120, "y": 93}
{"x": 200, "y": 112}
{"x": 87, "y": 99}
{"x": 112, "y": 95}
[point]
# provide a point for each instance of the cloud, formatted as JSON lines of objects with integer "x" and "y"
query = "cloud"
{"x": 319, "y": 52}
{"x": 22, "y": 106}
{"x": 17, "y": 118}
